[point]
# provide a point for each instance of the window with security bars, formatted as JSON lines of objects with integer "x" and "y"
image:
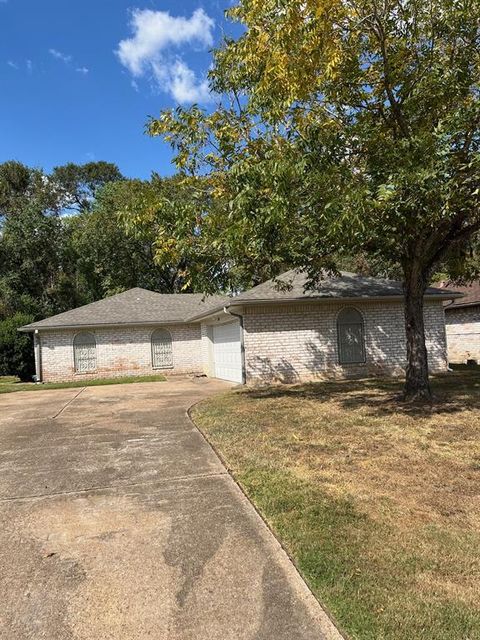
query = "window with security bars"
{"x": 351, "y": 337}
{"x": 85, "y": 353}
{"x": 162, "y": 354}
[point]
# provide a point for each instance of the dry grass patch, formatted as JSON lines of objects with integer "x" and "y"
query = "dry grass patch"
{"x": 377, "y": 502}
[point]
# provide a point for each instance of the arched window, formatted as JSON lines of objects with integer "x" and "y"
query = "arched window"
{"x": 162, "y": 354}
{"x": 85, "y": 352}
{"x": 351, "y": 338}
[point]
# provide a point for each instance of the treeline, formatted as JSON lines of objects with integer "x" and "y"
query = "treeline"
{"x": 64, "y": 241}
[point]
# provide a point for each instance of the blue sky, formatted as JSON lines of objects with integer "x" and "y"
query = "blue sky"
{"x": 79, "y": 78}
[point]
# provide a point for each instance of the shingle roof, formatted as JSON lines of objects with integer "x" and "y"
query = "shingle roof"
{"x": 471, "y": 295}
{"x": 135, "y": 306}
{"x": 347, "y": 285}
{"x": 139, "y": 306}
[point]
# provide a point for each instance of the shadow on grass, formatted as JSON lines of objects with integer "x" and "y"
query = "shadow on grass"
{"x": 452, "y": 392}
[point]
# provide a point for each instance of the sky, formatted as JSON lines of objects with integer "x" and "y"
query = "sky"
{"x": 79, "y": 78}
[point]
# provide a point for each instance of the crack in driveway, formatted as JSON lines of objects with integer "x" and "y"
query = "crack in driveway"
{"x": 42, "y": 496}
{"x": 68, "y": 403}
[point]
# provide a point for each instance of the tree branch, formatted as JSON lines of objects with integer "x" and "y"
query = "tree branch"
{"x": 379, "y": 33}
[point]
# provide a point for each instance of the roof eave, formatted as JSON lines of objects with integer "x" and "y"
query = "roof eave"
{"x": 104, "y": 325}
{"x": 241, "y": 302}
{"x": 233, "y": 304}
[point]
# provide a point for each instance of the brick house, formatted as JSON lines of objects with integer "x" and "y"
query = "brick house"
{"x": 349, "y": 326}
{"x": 462, "y": 321}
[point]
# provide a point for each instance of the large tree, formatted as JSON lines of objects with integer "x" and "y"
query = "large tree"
{"x": 24, "y": 188}
{"x": 30, "y": 241}
{"x": 38, "y": 273}
{"x": 111, "y": 254}
{"x": 79, "y": 184}
{"x": 347, "y": 125}
{"x": 162, "y": 218}
{"x": 114, "y": 243}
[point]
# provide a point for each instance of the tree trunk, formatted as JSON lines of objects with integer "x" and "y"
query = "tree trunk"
{"x": 417, "y": 386}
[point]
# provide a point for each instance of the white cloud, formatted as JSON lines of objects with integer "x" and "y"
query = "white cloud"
{"x": 148, "y": 51}
{"x": 183, "y": 85}
{"x": 20, "y": 66}
{"x": 60, "y": 56}
{"x": 154, "y": 31}
{"x": 68, "y": 60}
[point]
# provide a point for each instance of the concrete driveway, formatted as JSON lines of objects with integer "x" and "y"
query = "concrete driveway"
{"x": 118, "y": 521}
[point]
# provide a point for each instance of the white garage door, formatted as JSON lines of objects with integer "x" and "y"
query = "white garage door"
{"x": 227, "y": 355}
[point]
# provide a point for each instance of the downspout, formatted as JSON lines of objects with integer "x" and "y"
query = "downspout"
{"x": 242, "y": 342}
{"x": 449, "y": 368}
{"x": 38, "y": 357}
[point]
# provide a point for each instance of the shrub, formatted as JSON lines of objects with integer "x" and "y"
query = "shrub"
{"x": 16, "y": 349}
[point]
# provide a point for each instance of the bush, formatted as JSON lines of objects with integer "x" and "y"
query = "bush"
{"x": 16, "y": 349}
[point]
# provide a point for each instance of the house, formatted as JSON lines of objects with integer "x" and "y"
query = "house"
{"x": 349, "y": 326}
{"x": 462, "y": 321}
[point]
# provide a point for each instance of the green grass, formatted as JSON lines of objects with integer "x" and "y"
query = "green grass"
{"x": 9, "y": 384}
{"x": 376, "y": 502}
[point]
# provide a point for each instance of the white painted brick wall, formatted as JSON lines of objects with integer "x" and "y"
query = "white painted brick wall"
{"x": 207, "y": 351}
{"x": 299, "y": 342}
{"x": 120, "y": 352}
{"x": 463, "y": 334}
{"x": 283, "y": 343}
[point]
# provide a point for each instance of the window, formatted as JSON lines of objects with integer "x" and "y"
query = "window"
{"x": 351, "y": 340}
{"x": 85, "y": 353}
{"x": 162, "y": 355}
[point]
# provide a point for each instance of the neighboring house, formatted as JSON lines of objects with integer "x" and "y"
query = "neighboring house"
{"x": 462, "y": 320}
{"x": 349, "y": 326}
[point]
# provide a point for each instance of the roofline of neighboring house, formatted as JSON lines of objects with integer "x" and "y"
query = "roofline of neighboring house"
{"x": 239, "y": 302}
{"x": 458, "y": 305}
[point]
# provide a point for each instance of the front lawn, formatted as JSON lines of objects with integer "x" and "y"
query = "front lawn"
{"x": 8, "y": 384}
{"x": 377, "y": 503}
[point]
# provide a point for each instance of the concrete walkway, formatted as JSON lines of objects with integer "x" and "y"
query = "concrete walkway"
{"x": 118, "y": 521}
